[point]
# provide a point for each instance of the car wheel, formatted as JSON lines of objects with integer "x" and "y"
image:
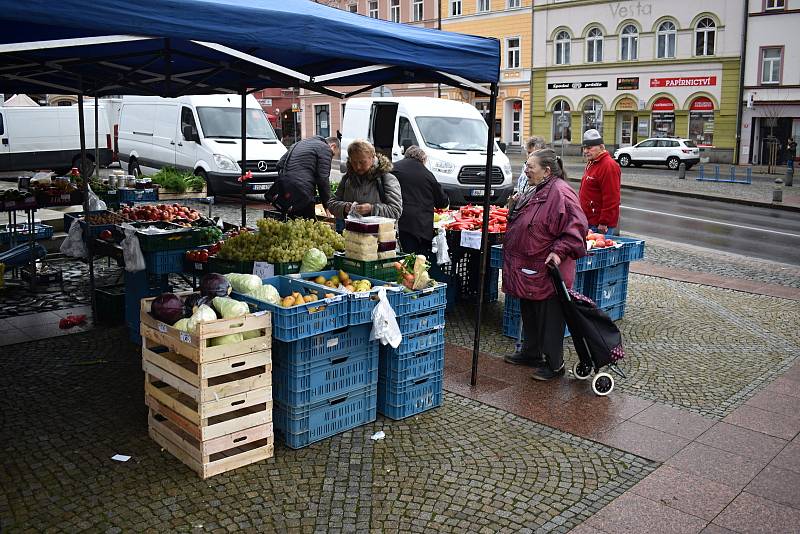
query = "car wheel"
{"x": 673, "y": 163}
{"x": 202, "y": 174}
{"x": 624, "y": 160}
{"x": 133, "y": 168}
{"x": 88, "y": 169}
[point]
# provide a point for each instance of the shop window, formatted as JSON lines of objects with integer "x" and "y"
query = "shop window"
{"x": 418, "y": 12}
{"x": 563, "y": 43}
{"x": 774, "y": 4}
{"x": 373, "y": 9}
{"x": 630, "y": 43}
{"x": 394, "y": 11}
{"x": 594, "y": 46}
{"x": 353, "y": 8}
{"x": 512, "y": 53}
{"x": 771, "y": 65}
{"x": 665, "y": 38}
{"x": 701, "y": 127}
{"x": 593, "y": 115}
{"x": 663, "y": 124}
{"x": 483, "y": 6}
{"x": 562, "y": 125}
{"x": 455, "y": 8}
{"x": 704, "y": 37}
{"x": 322, "y": 120}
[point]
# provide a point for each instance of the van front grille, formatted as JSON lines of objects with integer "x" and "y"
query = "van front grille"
{"x": 260, "y": 165}
{"x": 475, "y": 175}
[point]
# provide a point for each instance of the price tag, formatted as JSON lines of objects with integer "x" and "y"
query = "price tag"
{"x": 112, "y": 192}
{"x": 471, "y": 239}
{"x": 198, "y": 266}
{"x": 361, "y": 294}
{"x": 186, "y": 338}
{"x": 332, "y": 342}
{"x": 260, "y": 313}
{"x": 162, "y": 327}
{"x": 263, "y": 269}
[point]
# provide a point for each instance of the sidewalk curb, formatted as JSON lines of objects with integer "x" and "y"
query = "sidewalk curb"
{"x": 702, "y": 196}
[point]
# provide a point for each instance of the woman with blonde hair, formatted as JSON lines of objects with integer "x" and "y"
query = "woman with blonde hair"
{"x": 368, "y": 187}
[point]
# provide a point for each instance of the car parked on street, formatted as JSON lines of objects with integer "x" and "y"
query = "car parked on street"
{"x": 669, "y": 151}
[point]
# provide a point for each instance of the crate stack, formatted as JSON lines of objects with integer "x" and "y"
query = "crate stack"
{"x": 602, "y": 275}
{"x": 209, "y": 406}
{"x": 411, "y": 377}
{"x": 326, "y": 368}
{"x": 372, "y": 239}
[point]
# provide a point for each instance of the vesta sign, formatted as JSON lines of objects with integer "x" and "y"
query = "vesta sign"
{"x": 695, "y": 81}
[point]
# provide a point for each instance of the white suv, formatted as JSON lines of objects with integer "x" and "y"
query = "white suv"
{"x": 667, "y": 151}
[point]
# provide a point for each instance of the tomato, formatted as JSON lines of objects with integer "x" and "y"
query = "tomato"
{"x": 105, "y": 234}
{"x": 203, "y": 255}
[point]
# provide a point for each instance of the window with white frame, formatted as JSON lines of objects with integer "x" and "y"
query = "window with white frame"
{"x": 563, "y": 43}
{"x": 512, "y": 53}
{"x": 665, "y": 39}
{"x": 513, "y": 4}
{"x": 562, "y": 125}
{"x": 395, "y": 11}
{"x": 373, "y": 9}
{"x": 771, "y": 65}
{"x": 775, "y": 4}
{"x": 704, "y": 37}
{"x": 455, "y": 8}
{"x": 483, "y": 6}
{"x": 418, "y": 12}
{"x": 353, "y": 8}
{"x": 629, "y": 43}
{"x": 594, "y": 46}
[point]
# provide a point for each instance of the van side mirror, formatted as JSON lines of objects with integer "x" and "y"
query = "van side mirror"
{"x": 190, "y": 134}
{"x": 502, "y": 147}
{"x": 405, "y": 143}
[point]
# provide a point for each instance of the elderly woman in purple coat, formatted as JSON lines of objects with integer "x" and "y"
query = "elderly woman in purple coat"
{"x": 546, "y": 225}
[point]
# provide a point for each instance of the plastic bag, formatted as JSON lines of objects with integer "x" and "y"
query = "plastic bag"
{"x": 73, "y": 245}
{"x": 131, "y": 251}
{"x": 384, "y": 322}
{"x": 440, "y": 248}
{"x": 95, "y": 204}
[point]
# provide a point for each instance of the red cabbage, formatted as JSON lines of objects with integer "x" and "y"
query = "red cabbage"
{"x": 214, "y": 285}
{"x": 167, "y": 308}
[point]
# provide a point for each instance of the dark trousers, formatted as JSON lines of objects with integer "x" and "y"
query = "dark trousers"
{"x": 309, "y": 212}
{"x": 411, "y": 244}
{"x": 543, "y": 324}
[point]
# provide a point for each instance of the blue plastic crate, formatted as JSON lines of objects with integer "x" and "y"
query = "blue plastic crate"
{"x": 609, "y": 285}
{"x": 496, "y": 257}
{"x": 615, "y": 312}
{"x": 428, "y": 320}
{"x": 410, "y": 302}
{"x": 302, "y": 320}
{"x": 400, "y": 368}
{"x": 410, "y": 398}
{"x": 165, "y": 262}
{"x": 512, "y": 319}
{"x": 137, "y": 195}
{"x": 361, "y": 303}
{"x": 41, "y": 231}
{"x": 601, "y": 258}
{"x": 348, "y": 340}
{"x": 302, "y": 426}
{"x": 417, "y": 342}
{"x": 305, "y": 384}
{"x": 632, "y": 249}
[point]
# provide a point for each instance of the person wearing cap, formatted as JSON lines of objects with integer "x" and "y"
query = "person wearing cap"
{"x": 600, "y": 186}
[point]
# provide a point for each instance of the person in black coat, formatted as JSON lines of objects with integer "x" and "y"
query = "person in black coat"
{"x": 421, "y": 194}
{"x": 302, "y": 171}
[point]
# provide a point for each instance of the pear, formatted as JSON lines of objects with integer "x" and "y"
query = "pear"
{"x": 320, "y": 280}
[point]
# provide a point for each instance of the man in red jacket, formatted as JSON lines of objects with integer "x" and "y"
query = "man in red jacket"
{"x": 600, "y": 185}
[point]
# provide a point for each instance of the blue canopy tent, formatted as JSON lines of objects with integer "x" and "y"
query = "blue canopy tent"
{"x": 176, "y": 47}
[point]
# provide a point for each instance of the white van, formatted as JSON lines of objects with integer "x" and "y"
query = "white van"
{"x": 48, "y": 137}
{"x": 201, "y": 134}
{"x": 453, "y": 134}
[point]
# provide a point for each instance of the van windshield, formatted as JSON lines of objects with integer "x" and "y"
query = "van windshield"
{"x": 226, "y": 123}
{"x": 453, "y": 133}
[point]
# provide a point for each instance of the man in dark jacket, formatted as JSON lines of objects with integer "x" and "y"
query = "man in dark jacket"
{"x": 302, "y": 171}
{"x": 421, "y": 194}
{"x": 600, "y": 185}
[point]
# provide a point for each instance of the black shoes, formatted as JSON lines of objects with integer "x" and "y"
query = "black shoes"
{"x": 545, "y": 373}
{"x": 520, "y": 358}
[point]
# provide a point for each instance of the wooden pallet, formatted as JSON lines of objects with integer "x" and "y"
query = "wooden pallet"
{"x": 213, "y": 456}
{"x": 195, "y": 345}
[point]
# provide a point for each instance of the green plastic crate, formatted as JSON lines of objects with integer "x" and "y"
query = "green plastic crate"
{"x": 377, "y": 269}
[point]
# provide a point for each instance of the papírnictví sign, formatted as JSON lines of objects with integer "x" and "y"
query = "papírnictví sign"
{"x": 694, "y": 81}
{"x": 576, "y": 85}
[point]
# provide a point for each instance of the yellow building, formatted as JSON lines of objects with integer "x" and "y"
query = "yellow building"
{"x": 510, "y": 22}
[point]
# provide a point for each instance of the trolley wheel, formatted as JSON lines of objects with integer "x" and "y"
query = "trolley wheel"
{"x": 581, "y": 371}
{"x": 603, "y": 384}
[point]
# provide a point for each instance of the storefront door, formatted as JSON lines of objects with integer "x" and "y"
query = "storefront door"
{"x": 625, "y": 129}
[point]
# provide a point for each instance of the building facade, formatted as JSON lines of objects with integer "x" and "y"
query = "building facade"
{"x": 771, "y": 97}
{"x": 509, "y": 21}
{"x": 637, "y": 69}
{"x": 321, "y": 114}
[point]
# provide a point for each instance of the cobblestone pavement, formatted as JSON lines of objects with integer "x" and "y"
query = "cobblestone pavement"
{"x": 695, "y": 347}
{"x": 464, "y": 467}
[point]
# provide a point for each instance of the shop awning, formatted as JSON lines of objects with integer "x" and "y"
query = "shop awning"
{"x": 211, "y": 46}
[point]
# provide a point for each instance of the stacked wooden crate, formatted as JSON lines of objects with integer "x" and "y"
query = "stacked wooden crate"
{"x": 209, "y": 406}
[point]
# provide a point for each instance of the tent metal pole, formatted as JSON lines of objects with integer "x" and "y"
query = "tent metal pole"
{"x": 96, "y": 136}
{"x": 82, "y": 131}
{"x": 244, "y": 155}
{"x": 484, "y": 257}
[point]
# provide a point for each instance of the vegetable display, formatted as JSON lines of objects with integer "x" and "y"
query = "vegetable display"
{"x": 228, "y": 308}
{"x": 243, "y": 283}
{"x": 470, "y": 217}
{"x": 281, "y": 242}
{"x": 412, "y": 272}
{"x": 267, "y": 293}
{"x": 595, "y": 240}
{"x": 314, "y": 260}
{"x": 214, "y": 285}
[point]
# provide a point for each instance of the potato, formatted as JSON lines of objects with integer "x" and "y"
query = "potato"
{"x": 288, "y": 302}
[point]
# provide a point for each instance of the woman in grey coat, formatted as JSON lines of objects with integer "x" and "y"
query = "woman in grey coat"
{"x": 367, "y": 188}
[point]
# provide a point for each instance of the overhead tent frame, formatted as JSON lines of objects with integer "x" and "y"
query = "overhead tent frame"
{"x": 186, "y": 47}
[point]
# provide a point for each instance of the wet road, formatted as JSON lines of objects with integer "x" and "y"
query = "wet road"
{"x": 751, "y": 231}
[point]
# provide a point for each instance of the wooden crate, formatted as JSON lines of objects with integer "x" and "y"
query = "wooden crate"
{"x": 214, "y": 456}
{"x": 195, "y": 345}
